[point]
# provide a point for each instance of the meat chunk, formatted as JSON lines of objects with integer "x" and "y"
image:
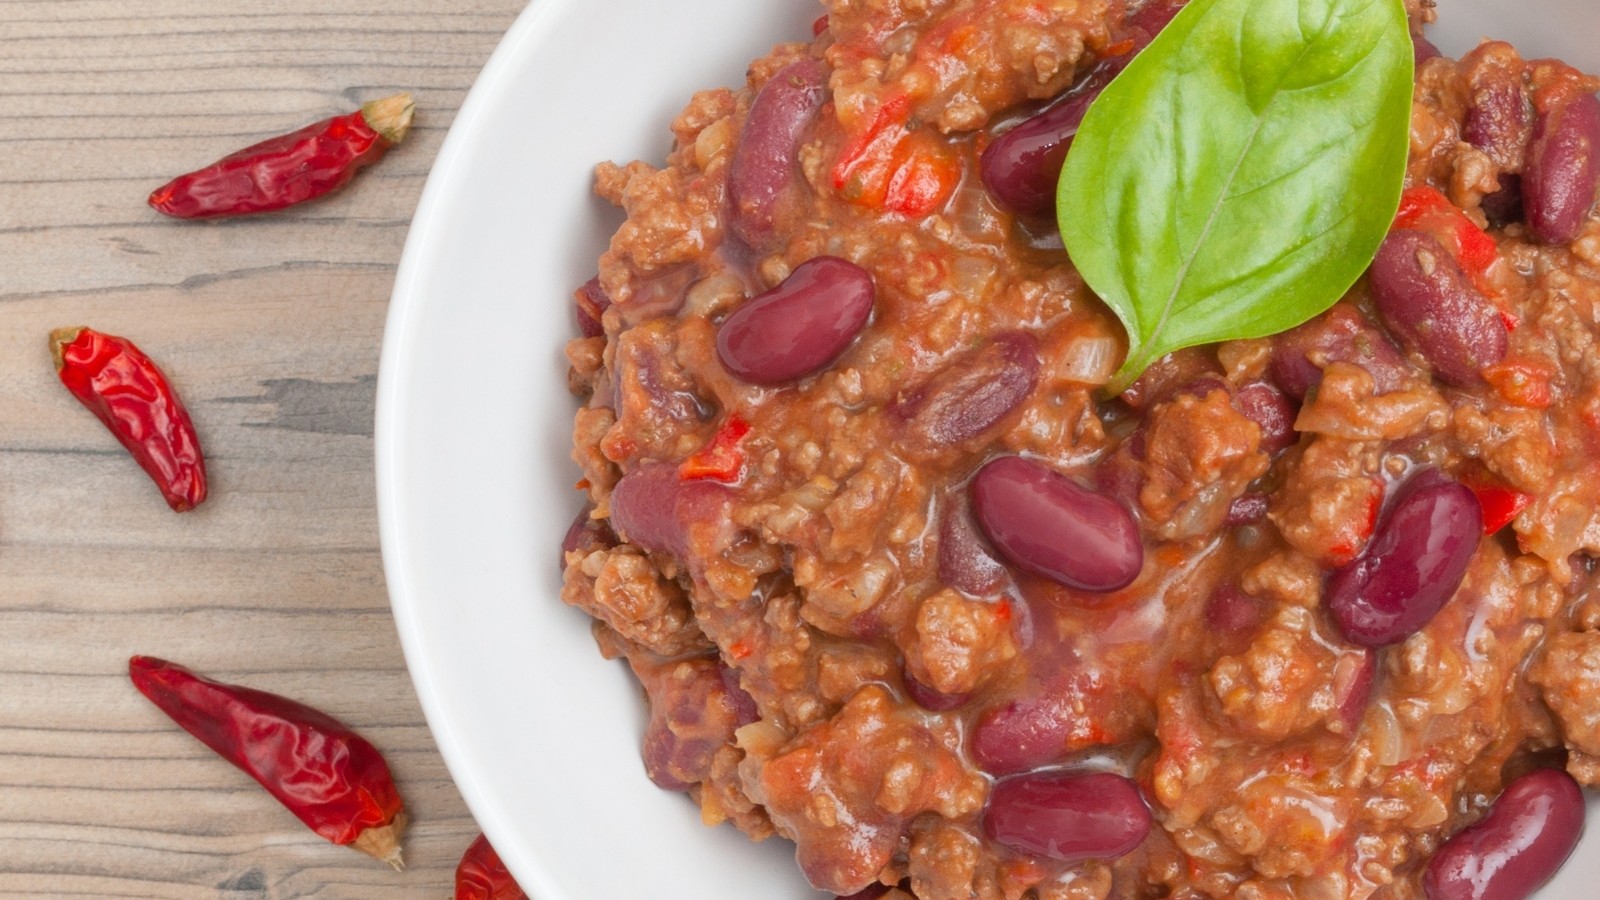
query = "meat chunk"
{"x": 1568, "y": 675}
{"x": 1200, "y": 455}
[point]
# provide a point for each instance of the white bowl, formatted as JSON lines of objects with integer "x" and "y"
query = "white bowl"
{"x": 474, "y": 479}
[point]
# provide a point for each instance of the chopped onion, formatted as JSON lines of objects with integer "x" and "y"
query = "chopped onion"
{"x": 1091, "y": 359}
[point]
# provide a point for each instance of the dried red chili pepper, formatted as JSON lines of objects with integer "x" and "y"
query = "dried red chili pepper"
{"x": 129, "y": 393}
{"x": 482, "y": 876}
{"x": 289, "y": 169}
{"x": 324, "y": 773}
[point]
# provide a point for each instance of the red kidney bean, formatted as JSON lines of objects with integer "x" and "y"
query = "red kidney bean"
{"x": 1498, "y": 119}
{"x": 1423, "y": 49}
{"x": 691, "y": 718}
{"x": 1069, "y": 816}
{"x": 1530, "y": 831}
{"x": 801, "y": 325}
{"x": 652, "y": 507}
{"x": 972, "y": 393}
{"x": 1560, "y": 174}
{"x": 965, "y": 561}
{"x": 1427, "y": 300}
{"x": 1021, "y": 734}
{"x": 930, "y": 699}
{"x": 1266, "y": 406}
{"x": 1020, "y": 167}
{"x": 1049, "y": 525}
{"x": 744, "y": 705}
{"x": 1339, "y": 335}
{"x": 1413, "y": 564}
{"x": 592, "y": 303}
{"x": 767, "y": 158}
{"x": 586, "y": 534}
{"x": 1231, "y": 612}
{"x": 1248, "y": 509}
{"x": 1355, "y": 693}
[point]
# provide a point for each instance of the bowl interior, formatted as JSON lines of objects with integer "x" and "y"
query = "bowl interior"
{"x": 474, "y": 476}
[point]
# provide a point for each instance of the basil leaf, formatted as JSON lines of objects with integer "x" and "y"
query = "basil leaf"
{"x": 1239, "y": 176}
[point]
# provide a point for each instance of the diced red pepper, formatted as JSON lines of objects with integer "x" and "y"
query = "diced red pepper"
{"x": 1345, "y": 551}
{"x": 925, "y": 175}
{"x": 1500, "y": 505}
{"x": 1521, "y": 382}
{"x": 1426, "y": 209}
{"x": 722, "y": 459}
{"x": 889, "y": 167}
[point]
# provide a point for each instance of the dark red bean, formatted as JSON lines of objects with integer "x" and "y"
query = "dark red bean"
{"x": 1499, "y": 118}
{"x": 1266, "y": 406}
{"x": 1427, "y": 300}
{"x": 691, "y": 718}
{"x": 930, "y": 699}
{"x": 1067, "y": 816}
{"x": 1354, "y": 692}
{"x": 1416, "y": 559}
{"x": 1022, "y": 734}
{"x": 1231, "y": 612}
{"x": 1020, "y": 168}
{"x": 653, "y": 507}
{"x": 971, "y": 394}
{"x": 592, "y": 303}
{"x": 1340, "y": 335}
{"x": 767, "y": 161}
{"x": 1560, "y": 174}
{"x": 801, "y": 325}
{"x": 1249, "y": 509}
{"x": 965, "y": 561}
{"x": 1049, "y": 525}
{"x": 1423, "y": 49}
{"x": 586, "y": 534}
{"x": 1530, "y": 831}
{"x": 744, "y": 705}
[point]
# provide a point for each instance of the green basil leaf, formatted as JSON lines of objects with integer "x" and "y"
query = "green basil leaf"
{"x": 1239, "y": 175}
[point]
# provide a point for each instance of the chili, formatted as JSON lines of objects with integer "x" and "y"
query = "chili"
{"x": 482, "y": 876}
{"x": 1500, "y": 504}
{"x": 131, "y": 395}
{"x": 722, "y": 459}
{"x": 330, "y": 777}
{"x": 289, "y": 169}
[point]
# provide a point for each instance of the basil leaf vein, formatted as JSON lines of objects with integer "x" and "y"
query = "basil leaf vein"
{"x": 1239, "y": 175}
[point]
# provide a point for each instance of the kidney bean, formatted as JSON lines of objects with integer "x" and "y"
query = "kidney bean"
{"x": 1498, "y": 119}
{"x": 591, "y": 303}
{"x": 1340, "y": 335}
{"x": 972, "y": 393}
{"x": 767, "y": 158}
{"x": 1266, "y": 406}
{"x": 1231, "y": 611}
{"x": 586, "y": 534}
{"x": 1248, "y": 509}
{"x": 1020, "y": 168}
{"x": 1047, "y": 524}
{"x": 1560, "y": 174}
{"x": 1427, "y": 299}
{"x": 652, "y": 507}
{"x": 1530, "y": 831}
{"x": 1353, "y": 688}
{"x": 965, "y": 561}
{"x": 1068, "y": 816}
{"x": 1423, "y": 49}
{"x": 1413, "y": 564}
{"x": 930, "y": 699}
{"x": 801, "y": 325}
{"x": 1021, "y": 734}
{"x": 744, "y": 705}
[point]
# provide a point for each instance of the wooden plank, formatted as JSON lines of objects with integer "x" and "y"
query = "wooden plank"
{"x": 271, "y": 329}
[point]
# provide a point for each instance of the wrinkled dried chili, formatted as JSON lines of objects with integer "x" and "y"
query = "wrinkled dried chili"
{"x": 131, "y": 395}
{"x": 327, "y": 775}
{"x": 289, "y": 169}
{"x": 482, "y": 876}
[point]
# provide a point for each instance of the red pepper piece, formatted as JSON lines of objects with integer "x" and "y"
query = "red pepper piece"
{"x": 131, "y": 395}
{"x": 1521, "y": 381}
{"x": 323, "y": 772}
{"x": 292, "y": 168}
{"x": 721, "y": 460}
{"x": 1427, "y": 209}
{"x": 482, "y": 876}
{"x": 1500, "y": 505}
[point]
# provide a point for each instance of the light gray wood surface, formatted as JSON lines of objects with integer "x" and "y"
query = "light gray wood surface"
{"x": 271, "y": 328}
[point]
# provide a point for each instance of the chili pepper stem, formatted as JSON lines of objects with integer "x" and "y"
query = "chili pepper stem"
{"x": 59, "y": 339}
{"x": 383, "y": 843}
{"x": 390, "y": 117}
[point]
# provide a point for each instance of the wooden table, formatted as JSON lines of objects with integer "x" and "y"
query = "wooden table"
{"x": 271, "y": 329}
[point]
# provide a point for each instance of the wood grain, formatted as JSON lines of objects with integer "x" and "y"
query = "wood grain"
{"x": 271, "y": 328}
